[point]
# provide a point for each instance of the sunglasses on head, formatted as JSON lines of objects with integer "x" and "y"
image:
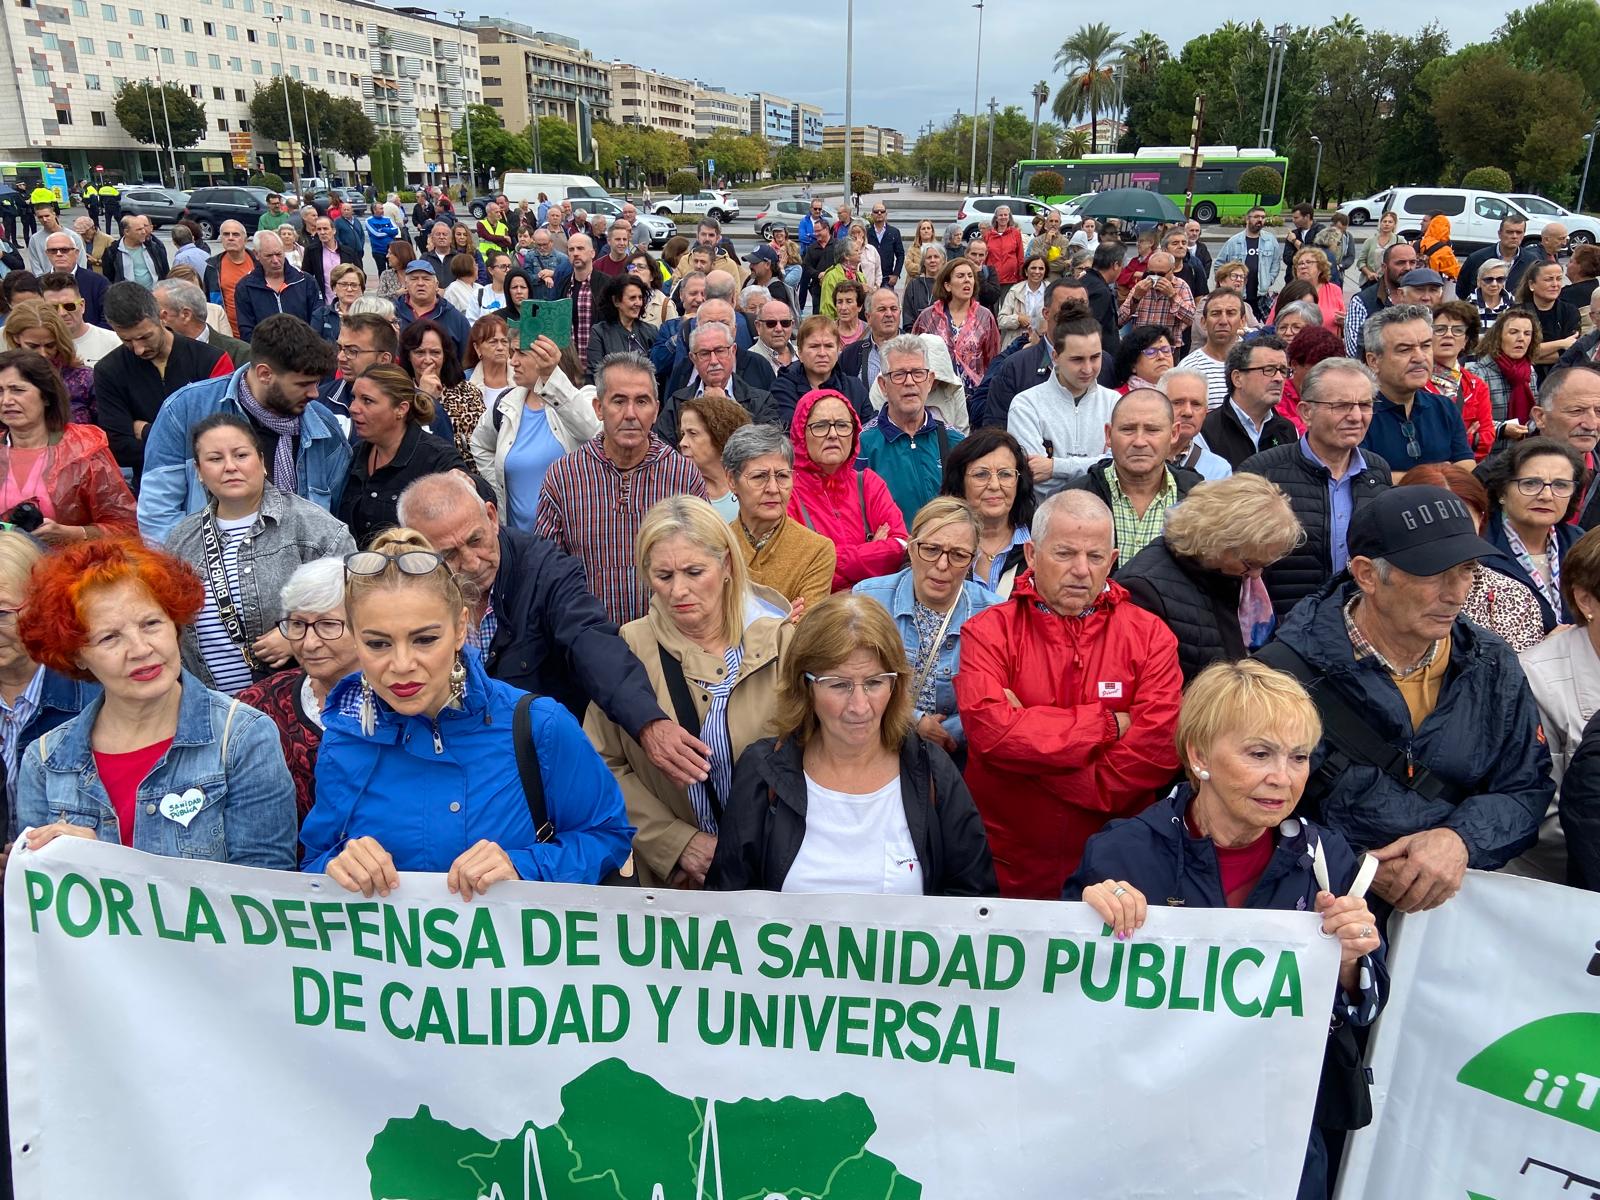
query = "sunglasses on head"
{"x": 407, "y": 562}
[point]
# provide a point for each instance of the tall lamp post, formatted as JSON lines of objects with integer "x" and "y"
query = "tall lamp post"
{"x": 151, "y": 113}
{"x": 1316, "y": 174}
{"x": 460, "y": 15}
{"x": 1041, "y": 93}
{"x": 849, "y": 76}
{"x": 166, "y": 119}
{"x": 1583, "y": 184}
{"x": 977, "y": 75}
{"x": 288, "y": 109}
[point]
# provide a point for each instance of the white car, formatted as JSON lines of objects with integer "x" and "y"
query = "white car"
{"x": 1581, "y": 230}
{"x": 720, "y": 206}
{"x": 1367, "y": 209}
{"x": 660, "y": 229}
{"x": 977, "y": 211}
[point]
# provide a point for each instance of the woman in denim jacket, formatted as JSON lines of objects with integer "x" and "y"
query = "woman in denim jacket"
{"x": 930, "y": 600}
{"x": 244, "y": 545}
{"x": 158, "y": 761}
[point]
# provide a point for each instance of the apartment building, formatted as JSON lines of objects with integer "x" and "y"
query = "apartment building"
{"x": 528, "y": 71}
{"x": 70, "y": 57}
{"x": 805, "y": 126}
{"x": 866, "y": 140}
{"x": 640, "y": 96}
{"x": 716, "y": 111}
{"x": 771, "y": 117}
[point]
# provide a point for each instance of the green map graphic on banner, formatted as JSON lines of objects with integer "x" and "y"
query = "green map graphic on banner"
{"x": 622, "y": 1136}
{"x": 1551, "y": 1065}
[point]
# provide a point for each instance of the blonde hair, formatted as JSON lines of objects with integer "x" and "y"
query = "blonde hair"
{"x": 1243, "y": 697}
{"x": 1241, "y": 512}
{"x": 19, "y": 554}
{"x": 400, "y": 389}
{"x": 828, "y": 634}
{"x": 344, "y": 269}
{"x": 942, "y": 511}
{"x": 1324, "y": 267}
{"x": 36, "y": 314}
{"x": 399, "y": 540}
{"x": 694, "y": 520}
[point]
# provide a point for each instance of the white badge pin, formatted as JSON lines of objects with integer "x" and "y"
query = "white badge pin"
{"x": 182, "y": 809}
{"x": 1110, "y": 691}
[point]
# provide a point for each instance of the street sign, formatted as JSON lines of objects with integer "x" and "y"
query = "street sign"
{"x": 432, "y": 167}
{"x": 100, "y": 168}
{"x": 1185, "y": 159}
{"x": 711, "y": 166}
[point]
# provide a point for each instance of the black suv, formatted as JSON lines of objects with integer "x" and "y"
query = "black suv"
{"x": 211, "y": 206}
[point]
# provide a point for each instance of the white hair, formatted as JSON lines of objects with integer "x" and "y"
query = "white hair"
{"x": 1079, "y": 505}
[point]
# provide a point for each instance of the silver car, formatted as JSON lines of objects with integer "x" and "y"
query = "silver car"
{"x": 161, "y": 204}
{"x": 660, "y": 229}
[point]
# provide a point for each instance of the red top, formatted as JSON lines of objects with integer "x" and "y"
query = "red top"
{"x": 121, "y": 775}
{"x": 1241, "y": 866}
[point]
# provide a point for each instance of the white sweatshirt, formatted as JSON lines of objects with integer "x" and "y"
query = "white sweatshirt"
{"x": 1075, "y": 428}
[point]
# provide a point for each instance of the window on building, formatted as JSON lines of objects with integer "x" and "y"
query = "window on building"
{"x": 194, "y": 90}
{"x": 141, "y": 53}
{"x": 255, "y": 66}
{"x": 327, "y": 49}
{"x": 98, "y": 118}
{"x": 114, "y": 49}
{"x": 92, "y": 82}
{"x": 51, "y": 42}
{"x": 222, "y": 125}
{"x": 211, "y": 29}
{"x": 108, "y": 12}
{"x": 250, "y": 35}
{"x": 339, "y": 50}
{"x": 238, "y": 94}
{"x": 233, "y": 33}
{"x": 266, "y": 8}
{"x": 214, "y": 62}
{"x": 305, "y": 16}
{"x": 217, "y": 93}
{"x": 64, "y": 116}
{"x": 324, "y": 20}
{"x": 496, "y": 102}
{"x": 135, "y": 16}
{"x": 80, "y": 8}
{"x": 272, "y": 39}
{"x": 294, "y": 72}
{"x": 185, "y": 24}
{"x": 191, "y": 58}
{"x": 314, "y": 76}
{"x": 162, "y": 22}
{"x": 244, "y": 126}
{"x": 293, "y": 44}
{"x": 236, "y": 65}
{"x": 348, "y": 24}
{"x": 166, "y": 56}
{"x": 250, "y": 6}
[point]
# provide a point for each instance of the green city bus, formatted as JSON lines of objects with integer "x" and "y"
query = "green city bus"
{"x": 1216, "y": 182}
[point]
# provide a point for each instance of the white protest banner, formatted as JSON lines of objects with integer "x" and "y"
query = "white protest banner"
{"x": 183, "y": 1030}
{"x": 1487, "y": 1058}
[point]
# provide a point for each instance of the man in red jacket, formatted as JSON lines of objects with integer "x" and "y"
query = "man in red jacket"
{"x": 1069, "y": 695}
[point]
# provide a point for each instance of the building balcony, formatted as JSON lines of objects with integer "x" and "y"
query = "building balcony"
{"x": 450, "y": 73}
{"x": 409, "y": 68}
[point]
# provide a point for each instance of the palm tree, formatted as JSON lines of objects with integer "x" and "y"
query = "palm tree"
{"x": 1074, "y": 144}
{"x": 1146, "y": 51}
{"x": 1346, "y": 26}
{"x": 1086, "y": 58}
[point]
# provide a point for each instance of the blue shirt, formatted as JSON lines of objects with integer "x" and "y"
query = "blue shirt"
{"x": 1251, "y": 429}
{"x": 1341, "y": 502}
{"x": 1434, "y": 434}
{"x": 527, "y": 462}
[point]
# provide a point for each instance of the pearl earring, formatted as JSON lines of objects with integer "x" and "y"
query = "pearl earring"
{"x": 1205, "y": 776}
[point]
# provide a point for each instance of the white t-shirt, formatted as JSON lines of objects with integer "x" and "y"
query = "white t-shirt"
{"x": 858, "y": 844}
{"x": 94, "y": 343}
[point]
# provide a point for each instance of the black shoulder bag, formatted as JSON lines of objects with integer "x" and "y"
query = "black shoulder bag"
{"x": 533, "y": 788}
{"x": 683, "y": 709}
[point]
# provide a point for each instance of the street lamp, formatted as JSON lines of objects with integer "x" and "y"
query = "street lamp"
{"x": 166, "y": 120}
{"x": 288, "y": 111}
{"x": 1583, "y": 184}
{"x": 1317, "y": 174}
{"x": 466, "y": 100}
{"x": 977, "y": 74}
{"x": 1041, "y": 93}
{"x": 849, "y": 74}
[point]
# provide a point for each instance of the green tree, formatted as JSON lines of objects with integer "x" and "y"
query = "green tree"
{"x": 1556, "y": 35}
{"x": 1085, "y": 58}
{"x": 1262, "y": 182}
{"x": 266, "y": 179}
{"x": 347, "y": 129}
{"x": 556, "y": 147}
{"x": 1145, "y": 52}
{"x": 135, "y": 102}
{"x": 683, "y": 183}
{"x": 737, "y": 155}
{"x": 1046, "y": 183}
{"x": 1075, "y": 143}
{"x": 494, "y": 148}
{"x": 270, "y": 120}
{"x": 1491, "y": 110}
{"x": 1489, "y": 179}
{"x": 388, "y": 164}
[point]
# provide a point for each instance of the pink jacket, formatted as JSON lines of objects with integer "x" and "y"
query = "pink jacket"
{"x": 847, "y": 506}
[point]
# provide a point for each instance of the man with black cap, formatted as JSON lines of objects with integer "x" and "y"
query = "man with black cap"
{"x": 765, "y": 271}
{"x": 1432, "y": 757}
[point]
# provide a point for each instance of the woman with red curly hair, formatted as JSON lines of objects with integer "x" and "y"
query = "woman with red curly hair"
{"x": 157, "y": 761}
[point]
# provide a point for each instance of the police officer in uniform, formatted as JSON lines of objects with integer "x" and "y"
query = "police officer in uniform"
{"x": 91, "y": 202}
{"x": 111, "y": 207}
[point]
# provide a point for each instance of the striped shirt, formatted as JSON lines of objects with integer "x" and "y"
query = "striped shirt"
{"x": 224, "y": 659}
{"x": 1215, "y": 372}
{"x": 593, "y": 511}
{"x": 714, "y": 733}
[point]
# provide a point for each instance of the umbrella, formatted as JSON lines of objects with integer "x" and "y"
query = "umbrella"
{"x": 1130, "y": 204}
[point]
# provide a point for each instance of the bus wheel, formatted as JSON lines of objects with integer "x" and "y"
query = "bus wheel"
{"x": 1205, "y": 212}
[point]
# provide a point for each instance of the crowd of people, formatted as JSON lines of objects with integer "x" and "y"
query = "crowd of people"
{"x": 1039, "y": 568}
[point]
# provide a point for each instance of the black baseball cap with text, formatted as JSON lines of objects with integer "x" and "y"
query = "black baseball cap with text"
{"x": 1422, "y": 530}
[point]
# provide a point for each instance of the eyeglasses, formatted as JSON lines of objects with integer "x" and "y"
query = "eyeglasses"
{"x": 66, "y": 306}
{"x": 932, "y": 554}
{"x": 1558, "y": 487}
{"x": 60, "y": 249}
{"x": 762, "y": 479}
{"x": 1157, "y": 351}
{"x": 1408, "y": 430}
{"x": 1483, "y": 279}
{"x": 824, "y": 428}
{"x": 346, "y": 351}
{"x": 1449, "y": 331}
{"x": 327, "y": 628}
{"x": 1270, "y": 371}
{"x": 408, "y": 562}
{"x": 912, "y": 375}
{"x": 1005, "y": 476}
{"x": 875, "y": 687}
{"x": 780, "y": 324}
{"x": 1364, "y": 407}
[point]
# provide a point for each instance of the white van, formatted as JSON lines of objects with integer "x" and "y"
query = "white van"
{"x": 525, "y": 185}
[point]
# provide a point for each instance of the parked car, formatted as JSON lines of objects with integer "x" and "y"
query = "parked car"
{"x": 660, "y": 229}
{"x": 322, "y": 198}
{"x": 785, "y": 213}
{"x": 163, "y": 205}
{"x": 720, "y": 206}
{"x": 1366, "y": 209}
{"x": 1475, "y": 216}
{"x": 1581, "y": 230}
{"x": 977, "y": 211}
{"x": 211, "y": 206}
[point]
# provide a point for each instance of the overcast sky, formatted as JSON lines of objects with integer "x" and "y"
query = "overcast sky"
{"x": 907, "y": 70}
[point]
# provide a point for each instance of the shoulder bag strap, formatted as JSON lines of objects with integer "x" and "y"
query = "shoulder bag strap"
{"x": 921, "y": 678}
{"x": 944, "y": 442}
{"x": 861, "y": 495}
{"x": 227, "y": 729}
{"x": 683, "y": 708}
{"x": 1350, "y": 738}
{"x": 216, "y": 577}
{"x": 528, "y": 769}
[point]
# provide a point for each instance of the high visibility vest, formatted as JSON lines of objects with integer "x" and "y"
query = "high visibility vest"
{"x": 498, "y": 228}
{"x": 90, "y": 191}
{"x": 108, "y": 191}
{"x": 42, "y": 195}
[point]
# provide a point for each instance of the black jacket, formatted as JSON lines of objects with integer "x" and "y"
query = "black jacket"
{"x": 111, "y": 264}
{"x": 92, "y": 287}
{"x": 368, "y": 504}
{"x": 1103, "y": 304}
{"x": 1007, "y": 378}
{"x": 752, "y": 369}
{"x": 552, "y": 637}
{"x": 609, "y": 337}
{"x": 1482, "y": 739}
{"x": 1580, "y": 810}
{"x": 1495, "y": 534}
{"x": 1467, "y": 281}
{"x": 1224, "y": 433}
{"x": 1310, "y": 565}
{"x": 311, "y": 264}
{"x": 791, "y": 383}
{"x": 128, "y": 388}
{"x": 919, "y": 295}
{"x": 756, "y": 402}
{"x": 764, "y": 821}
{"x": 1200, "y": 606}
{"x": 1094, "y": 480}
{"x": 212, "y": 283}
{"x": 853, "y": 359}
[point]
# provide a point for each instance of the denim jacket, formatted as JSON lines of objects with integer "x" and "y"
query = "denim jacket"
{"x": 247, "y": 816}
{"x": 170, "y": 487}
{"x": 288, "y": 532}
{"x": 895, "y": 593}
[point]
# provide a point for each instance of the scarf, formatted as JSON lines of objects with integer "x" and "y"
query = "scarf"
{"x": 1255, "y": 612}
{"x": 1519, "y": 374}
{"x": 287, "y": 429}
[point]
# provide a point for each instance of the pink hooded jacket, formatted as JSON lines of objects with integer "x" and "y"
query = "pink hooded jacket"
{"x": 847, "y": 506}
